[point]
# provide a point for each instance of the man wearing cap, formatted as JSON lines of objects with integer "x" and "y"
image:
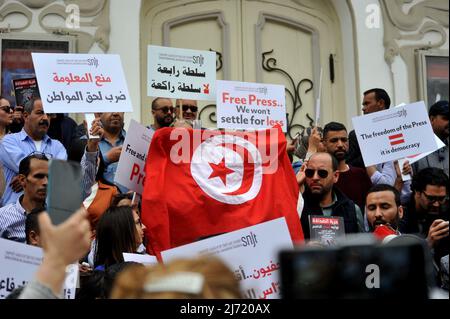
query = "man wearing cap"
{"x": 438, "y": 114}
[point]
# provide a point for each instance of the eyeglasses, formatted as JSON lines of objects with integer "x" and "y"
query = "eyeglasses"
{"x": 40, "y": 155}
{"x": 321, "y": 172}
{"x": 166, "y": 109}
{"x": 432, "y": 199}
{"x": 186, "y": 107}
{"x": 18, "y": 108}
{"x": 6, "y": 108}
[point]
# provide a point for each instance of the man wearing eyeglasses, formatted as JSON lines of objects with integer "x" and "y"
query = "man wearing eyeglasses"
{"x": 427, "y": 212}
{"x": 163, "y": 113}
{"x": 32, "y": 138}
{"x": 319, "y": 175}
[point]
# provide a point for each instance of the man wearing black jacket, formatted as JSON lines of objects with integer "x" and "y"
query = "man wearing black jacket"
{"x": 322, "y": 198}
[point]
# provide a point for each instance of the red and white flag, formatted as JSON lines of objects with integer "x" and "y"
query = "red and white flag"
{"x": 396, "y": 139}
{"x": 227, "y": 182}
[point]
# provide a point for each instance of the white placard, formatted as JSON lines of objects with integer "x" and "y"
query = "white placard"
{"x": 139, "y": 258}
{"x": 81, "y": 83}
{"x": 249, "y": 106}
{"x": 70, "y": 283}
{"x": 252, "y": 253}
{"x": 394, "y": 133}
{"x": 130, "y": 169}
{"x": 181, "y": 73}
{"x": 18, "y": 264}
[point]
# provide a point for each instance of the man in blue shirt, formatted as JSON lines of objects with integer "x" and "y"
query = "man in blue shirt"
{"x": 32, "y": 138}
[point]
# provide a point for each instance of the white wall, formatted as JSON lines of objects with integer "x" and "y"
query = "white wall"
{"x": 124, "y": 40}
{"x": 373, "y": 69}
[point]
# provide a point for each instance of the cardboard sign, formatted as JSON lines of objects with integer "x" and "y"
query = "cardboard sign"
{"x": 81, "y": 83}
{"x": 326, "y": 230}
{"x": 181, "y": 73}
{"x": 25, "y": 90}
{"x": 243, "y": 105}
{"x": 395, "y": 133}
{"x": 252, "y": 253}
{"x": 130, "y": 170}
{"x": 139, "y": 258}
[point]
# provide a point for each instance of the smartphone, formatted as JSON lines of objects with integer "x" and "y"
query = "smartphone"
{"x": 64, "y": 195}
{"x": 90, "y": 117}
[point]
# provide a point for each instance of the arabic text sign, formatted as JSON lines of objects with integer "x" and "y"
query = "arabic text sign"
{"x": 252, "y": 253}
{"x": 181, "y": 73}
{"x": 130, "y": 170}
{"x": 394, "y": 133}
{"x": 18, "y": 263}
{"x": 81, "y": 83}
{"x": 243, "y": 105}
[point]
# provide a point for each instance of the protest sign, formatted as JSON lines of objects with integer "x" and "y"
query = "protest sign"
{"x": 243, "y": 105}
{"x": 70, "y": 283}
{"x": 139, "y": 258}
{"x": 25, "y": 90}
{"x": 130, "y": 170}
{"x": 326, "y": 230}
{"x": 18, "y": 263}
{"x": 81, "y": 83}
{"x": 251, "y": 252}
{"x": 181, "y": 73}
{"x": 394, "y": 133}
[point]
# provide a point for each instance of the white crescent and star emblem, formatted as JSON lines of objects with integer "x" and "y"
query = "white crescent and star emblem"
{"x": 228, "y": 168}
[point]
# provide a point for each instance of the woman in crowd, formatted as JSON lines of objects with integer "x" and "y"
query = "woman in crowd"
{"x": 119, "y": 231}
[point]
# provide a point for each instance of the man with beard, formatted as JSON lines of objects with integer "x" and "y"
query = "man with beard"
{"x": 383, "y": 207}
{"x": 163, "y": 113}
{"x": 322, "y": 198}
{"x": 353, "y": 181}
{"x": 438, "y": 115}
{"x": 33, "y": 176}
{"x": 427, "y": 212}
{"x": 33, "y": 138}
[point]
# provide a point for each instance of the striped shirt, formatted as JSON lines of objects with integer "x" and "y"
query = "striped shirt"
{"x": 12, "y": 221}
{"x": 17, "y": 146}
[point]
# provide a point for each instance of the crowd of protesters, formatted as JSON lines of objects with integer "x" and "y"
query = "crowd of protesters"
{"x": 327, "y": 162}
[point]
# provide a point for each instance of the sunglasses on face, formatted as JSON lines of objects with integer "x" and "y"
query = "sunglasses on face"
{"x": 166, "y": 109}
{"x": 193, "y": 108}
{"x": 432, "y": 199}
{"x": 309, "y": 172}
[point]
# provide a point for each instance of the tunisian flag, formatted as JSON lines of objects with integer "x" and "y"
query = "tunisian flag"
{"x": 201, "y": 183}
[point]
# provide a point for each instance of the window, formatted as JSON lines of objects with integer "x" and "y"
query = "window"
{"x": 433, "y": 76}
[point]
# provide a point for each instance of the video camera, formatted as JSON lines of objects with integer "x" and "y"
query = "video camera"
{"x": 358, "y": 268}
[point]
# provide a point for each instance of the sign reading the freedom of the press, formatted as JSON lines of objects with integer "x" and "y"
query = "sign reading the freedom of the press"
{"x": 130, "y": 170}
{"x": 81, "y": 83}
{"x": 395, "y": 133}
{"x": 181, "y": 73}
{"x": 252, "y": 253}
{"x": 243, "y": 105}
